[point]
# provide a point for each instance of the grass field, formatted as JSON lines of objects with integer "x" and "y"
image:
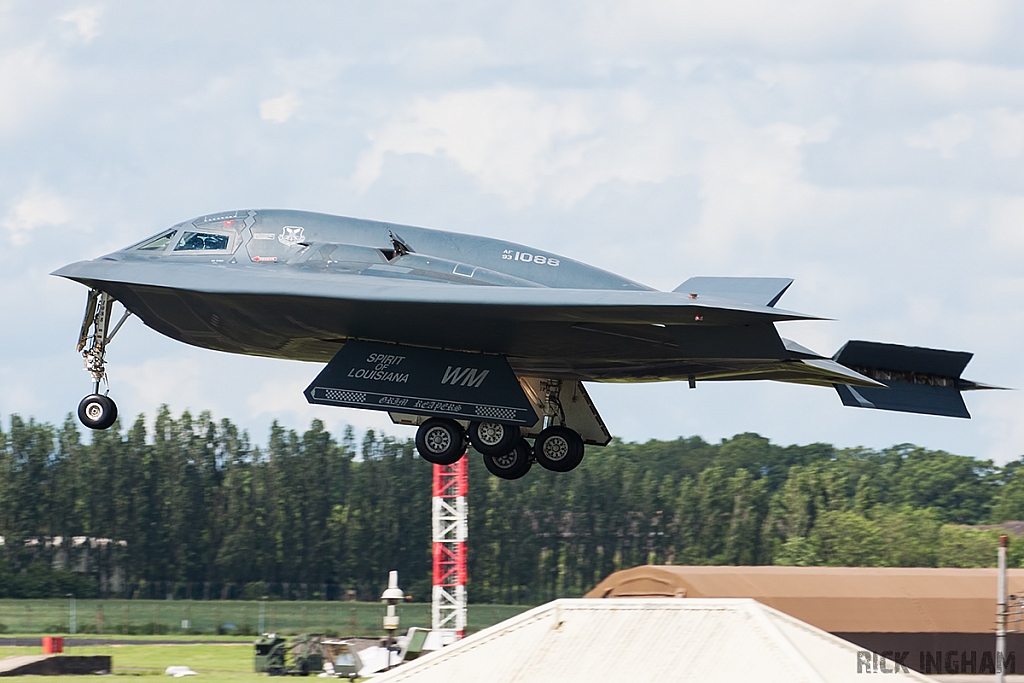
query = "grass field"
{"x": 223, "y": 617}
{"x": 220, "y": 663}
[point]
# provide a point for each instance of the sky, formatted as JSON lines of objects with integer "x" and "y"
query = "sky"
{"x": 873, "y": 151}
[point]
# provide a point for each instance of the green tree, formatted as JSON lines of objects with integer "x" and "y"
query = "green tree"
{"x": 844, "y": 538}
{"x": 1008, "y": 503}
{"x": 961, "y": 546}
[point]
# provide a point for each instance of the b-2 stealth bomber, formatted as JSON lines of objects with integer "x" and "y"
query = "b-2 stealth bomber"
{"x": 469, "y": 338}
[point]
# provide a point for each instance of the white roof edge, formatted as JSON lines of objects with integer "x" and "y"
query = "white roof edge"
{"x": 769, "y": 620}
{"x": 765, "y": 619}
{"x": 836, "y": 640}
{"x": 481, "y": 637}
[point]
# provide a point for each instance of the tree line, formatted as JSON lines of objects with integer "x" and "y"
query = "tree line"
{"x": 192, "y": 507}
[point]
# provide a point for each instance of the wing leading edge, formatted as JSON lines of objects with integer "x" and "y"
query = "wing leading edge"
{"x": 725, "y": 324}
{"x": 520, "y": 304}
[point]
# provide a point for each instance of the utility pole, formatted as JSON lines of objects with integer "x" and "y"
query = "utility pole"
{"x": 450, "y": 529}
{"x": 1001, "y": 612}
{"x": 72, "y": 615}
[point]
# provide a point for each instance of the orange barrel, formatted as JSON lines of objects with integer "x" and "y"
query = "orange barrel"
{"x": 52, "y": 645}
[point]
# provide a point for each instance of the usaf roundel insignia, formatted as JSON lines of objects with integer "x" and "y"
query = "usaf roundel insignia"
{"x": 290, "y": 235}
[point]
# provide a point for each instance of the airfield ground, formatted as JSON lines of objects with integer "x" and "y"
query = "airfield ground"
{"x": 219, "y": 655}
{"x": 227, "y": 663}
{"x": 222, "y": 663}
{"x": 225, "y": 619}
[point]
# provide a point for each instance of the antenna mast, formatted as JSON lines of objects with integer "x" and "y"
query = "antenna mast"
{"x": 449, "y": 521}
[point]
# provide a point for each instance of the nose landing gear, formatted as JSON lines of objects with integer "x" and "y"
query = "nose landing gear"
{"x": 97, "y": 411}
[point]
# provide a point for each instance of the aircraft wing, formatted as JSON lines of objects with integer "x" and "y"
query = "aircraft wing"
{"x": 516, "y": 303}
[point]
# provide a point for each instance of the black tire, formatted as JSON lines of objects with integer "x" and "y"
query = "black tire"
{"x": 558, "y": 449}
{"x": 491, "y": 438}
{"x": 97, "y": 412}
{"x": 440, "y": 441}
{"x": 512, "y": 465}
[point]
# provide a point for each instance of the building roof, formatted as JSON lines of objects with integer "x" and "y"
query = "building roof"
{"x": 649, "y": 640}
{"x": 836, "y": 599}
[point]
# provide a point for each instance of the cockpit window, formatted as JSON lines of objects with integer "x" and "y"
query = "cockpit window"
{"x": 202, "y": 241}
{"x": 156, "y": 243}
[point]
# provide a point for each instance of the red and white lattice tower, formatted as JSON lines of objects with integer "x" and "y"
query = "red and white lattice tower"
{"x": 448, "y": 609}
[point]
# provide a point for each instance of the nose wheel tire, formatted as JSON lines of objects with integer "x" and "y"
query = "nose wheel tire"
{"x": 440, "y": 441}
{"x": 491, "y": 438}
{"x": 558, "y": 449}
{"x": 511, "y": 465}
{"x": 97, "y": 412}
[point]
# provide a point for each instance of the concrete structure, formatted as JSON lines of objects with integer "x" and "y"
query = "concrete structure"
{"x": 648, "y": 641}
{"x": 944, "y": 618}
{"x": 54, "y": 665}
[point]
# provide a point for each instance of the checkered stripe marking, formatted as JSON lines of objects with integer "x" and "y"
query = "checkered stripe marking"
{"x": 345, "y": 396}
{"x": 499, "y": 413}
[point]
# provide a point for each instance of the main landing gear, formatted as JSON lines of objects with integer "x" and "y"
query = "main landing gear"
{"x": 440, "y": 441}
{"x": 97, "y": 411}
{"x": 506, "y": 453}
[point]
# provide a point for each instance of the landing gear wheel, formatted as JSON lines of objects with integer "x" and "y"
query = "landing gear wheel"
{"x": 97, "y": 412}
{"x": 558, "y": 449}
{"x": 440, "y": 441}
{"x": 512, "y": 465}
{"x": 491, "y": 438}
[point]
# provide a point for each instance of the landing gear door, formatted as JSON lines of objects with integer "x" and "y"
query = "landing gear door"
{"x": 462, "y": 386}
{"x": 580, "y": 413}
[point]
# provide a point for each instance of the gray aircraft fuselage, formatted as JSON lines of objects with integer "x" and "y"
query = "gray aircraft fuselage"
{"x": 299, "y": 285}
{"x": 320, "y": 306}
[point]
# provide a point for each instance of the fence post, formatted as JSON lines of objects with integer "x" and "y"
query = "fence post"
{"x": 1001, "y": 612}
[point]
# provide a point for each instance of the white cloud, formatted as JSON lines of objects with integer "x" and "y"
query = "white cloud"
{"x": 1000, "y": 130}
{"x": 29, "y": 79}
{"x": 86, "y": 21}
{"x": 521, "y": 144}
{"x": 154, "y": 381}
{"x": 944, "y": 135}
{"x": 38, "y": 208}
{"x": 752, "y": 185}
{"x": 518, "y": 143}
{"x": 1004, "y": 133}
{"x": 946, "y": 82}
{"x": 279, "y": 109}
{"x": 1004, "y": 428}
{"x": 788, "y": 27}
{"x": 282, "y": 399}
{"x": 188, "y": 378}
{"x": 432, "y": 58}
{"x": 953, "y": 25}
{"x": 658, "y": 139}
{"x": 1006, "y": 226}
{"x": 774, "y": 24}
{"x": 277, "y": 396}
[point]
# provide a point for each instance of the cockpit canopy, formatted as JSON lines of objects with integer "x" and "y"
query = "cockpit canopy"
{"x": 218, "y": 235}
{"x": 157, "y": 242}
{"x": 202, "y": 241}
{"x": 214, "y": 233}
